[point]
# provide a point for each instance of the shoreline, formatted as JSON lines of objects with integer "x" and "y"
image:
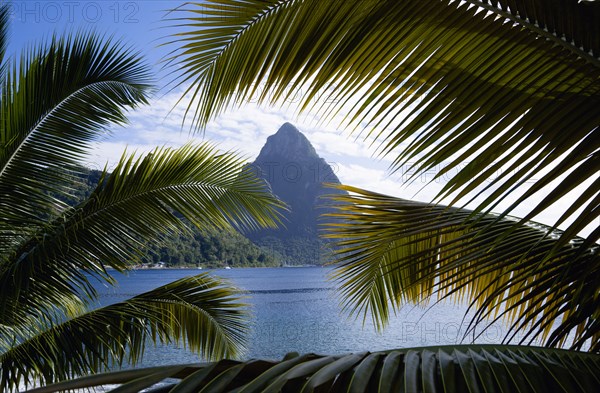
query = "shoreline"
{"x": 217, "y": 268}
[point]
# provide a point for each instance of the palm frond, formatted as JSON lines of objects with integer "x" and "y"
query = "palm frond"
{"x": 56, "y": 99}
{"x": 394, "y": 251}
{"x": 129, "y": 208}
{"x": 474, "y": 368}
{"x": 200, "y": 312}
{"x": 455, "y": 86}
{"x": 4, "y": 19}
{"x": 583, "y": 31}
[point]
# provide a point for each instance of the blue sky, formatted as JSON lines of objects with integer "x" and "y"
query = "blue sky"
{"x": 141, "y": 25}
{"x": 137, "y": 22}
{"x": 244, "y": 129}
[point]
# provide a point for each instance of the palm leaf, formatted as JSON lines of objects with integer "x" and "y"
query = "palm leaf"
{"x": 471, "y": 87}
{"x": 394, "y": 251}
{"x": 583, "y": 33}
{"x": 4, "y": 19}
{"x": 486, "y": 368}
{"x": 200, "y": 312}
{"x": 134, "y": 205}
{"x": 55, "y": 100}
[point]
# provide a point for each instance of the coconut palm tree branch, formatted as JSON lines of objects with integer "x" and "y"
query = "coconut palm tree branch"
{"x": 463, "y": 87}
{"x": 200, "y": 312}
{"x": 69, "y": 307}
{"x": 56, "y": 99}
{"x": 519, "y": 298}
{"x": 4, "y": 19}
{"x": 139, "y": 202}
{"x": 526, "y": 172}
{"x": 523, "y": 295}
{"x": 393, "y": 251}
{"x": 490, "y": 368}
{"x": 550, "y": 20}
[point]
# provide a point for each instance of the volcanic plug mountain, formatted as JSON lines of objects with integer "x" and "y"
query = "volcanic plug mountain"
{"x": 295, "y": 172}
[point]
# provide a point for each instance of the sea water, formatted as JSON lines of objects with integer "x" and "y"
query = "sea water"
{"x": 298, "y": 309}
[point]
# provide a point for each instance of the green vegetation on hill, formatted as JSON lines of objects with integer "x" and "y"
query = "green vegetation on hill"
{"x": 297, "y": 251}
{"x": 210, "y": 249}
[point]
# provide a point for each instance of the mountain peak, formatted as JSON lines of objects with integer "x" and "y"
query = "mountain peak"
{"x": 288, "y": 128}
{"x": 295, "y": 173}
{"x": 289, "y": 143}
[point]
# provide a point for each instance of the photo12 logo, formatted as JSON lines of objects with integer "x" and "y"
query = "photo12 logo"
{"x": 62, "y": 12}
{"x": 294, "y": 172}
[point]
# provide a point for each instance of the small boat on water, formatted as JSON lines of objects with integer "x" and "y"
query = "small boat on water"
{"x": 227, "y": 267}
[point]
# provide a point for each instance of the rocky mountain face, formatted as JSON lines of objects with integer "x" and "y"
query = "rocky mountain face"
{"x": 295, "y": 172}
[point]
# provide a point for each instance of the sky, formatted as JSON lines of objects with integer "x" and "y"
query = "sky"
{"x": 243, "y": 129}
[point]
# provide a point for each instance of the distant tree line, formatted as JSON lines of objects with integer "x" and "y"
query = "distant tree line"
{"x": 210, "y": 249}
{"x": 297, "y": 250}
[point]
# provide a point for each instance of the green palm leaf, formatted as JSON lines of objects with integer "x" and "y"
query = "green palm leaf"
{"x": 479, "y": 368}
{"x": 55, "y": 100}
{"x": 583, "y": 33}
{"x": 200, "y": 312}
{"x": 500, "y": 97}
{"x": 454, "y": 86}
{"x": 4, "y": 18}
{"x": 394, "y": 251}
{"x": 141, "y": 200}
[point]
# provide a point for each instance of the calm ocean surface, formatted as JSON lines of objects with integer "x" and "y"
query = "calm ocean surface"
{"x": 296, "y": 309}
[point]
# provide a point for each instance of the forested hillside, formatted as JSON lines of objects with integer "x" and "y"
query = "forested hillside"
{"x": 211, "y": 249}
